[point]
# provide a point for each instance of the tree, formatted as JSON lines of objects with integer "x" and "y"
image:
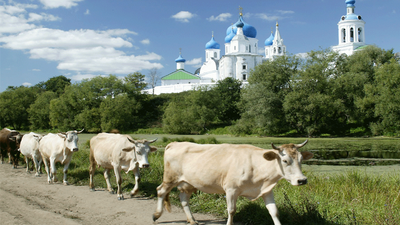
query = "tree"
{"x": 262, "y": 99}
{"x": 311, "y": 107}
{"x": 193, "y": 113}
{"x": 385, "y": 95}
{"x": 14, "y": 103}
{"x": 39, "y": 111}
{"x": 228, "y": 91}
{"x": 55, "y": 84}
{"x": 134, "y": 84}
{"x": 153, "y": 78}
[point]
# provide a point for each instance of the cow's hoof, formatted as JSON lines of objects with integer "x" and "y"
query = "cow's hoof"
{"x": 134, "y": 193}
{"x": 120, "y": 198}
{"x": 156, "y": 216}
{"x": 92, "y": 189}
{"x": 65, "y": 183}
{"x": 111, "y": 192}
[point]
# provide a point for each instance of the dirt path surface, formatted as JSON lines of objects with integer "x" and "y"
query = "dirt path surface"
{"x": 26, "y": 199}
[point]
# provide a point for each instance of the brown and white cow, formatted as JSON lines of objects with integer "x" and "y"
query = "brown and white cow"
{"x": 9, "y": 144}
{"x": 234, "y": 170}
{"x": 58, "y": 148}
{"x": 29, "y": 147}
{"x": 114, "y": 152}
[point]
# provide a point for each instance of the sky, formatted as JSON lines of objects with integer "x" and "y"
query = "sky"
{"x": 81, "y": 39}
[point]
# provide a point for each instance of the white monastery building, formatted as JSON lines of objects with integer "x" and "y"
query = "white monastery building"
{"x": 351, "y": 31}
{"x": 241, "y": 53}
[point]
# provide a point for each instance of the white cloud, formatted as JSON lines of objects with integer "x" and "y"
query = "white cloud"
{"x": 84, "y": 51}
{"x": 87, "y": 12}
{"x": 145, "y": 41}
{"x": 60, "y": 3}
{"x": 285, "y": 11}
{"x": 183, "y": 16}
{"x": 196, "y": 62}
{"x": 221, "y": 17}
{"x": 36, "y": 70}
{"x": 267, "y": 17}
{"x": 27, "y": 84}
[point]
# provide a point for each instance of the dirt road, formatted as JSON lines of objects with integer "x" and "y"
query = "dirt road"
{"x": 26, "y": 199}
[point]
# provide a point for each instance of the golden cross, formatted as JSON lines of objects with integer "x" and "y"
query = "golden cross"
{"x": 240, "y": 11}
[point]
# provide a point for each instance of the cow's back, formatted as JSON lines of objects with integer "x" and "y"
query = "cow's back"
{"x": 29, "y": 144}
{"x": 51, "y": 144}
{"x": 211, "y": 167}
{"x": 106, "y": 148}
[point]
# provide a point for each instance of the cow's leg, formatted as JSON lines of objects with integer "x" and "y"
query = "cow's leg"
{"x": 185, "y": 197}
{"x": 27, "y": 164}
{"x": 92, "y": 170}
{"x": 117, "y": 171}
{"x": 135, "y": 189}
{"x": 47, "y": 168}
{"x": 107, "y": 178}
{"x": 231, "y": 198}
{"x": 37, "y": 164}
{"x": 163, "y": 199}
{"x": 9, "y": 158}
{"x": 53, "y": 170}
{"x": 65, "y": 171}
{"x": 271, "y": 206}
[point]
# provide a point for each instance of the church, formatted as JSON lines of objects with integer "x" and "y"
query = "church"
{"x": 241, "y": 49}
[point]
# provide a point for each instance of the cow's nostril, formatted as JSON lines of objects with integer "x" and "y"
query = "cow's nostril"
{"x": 75, "y": 149}
{"x": 146, "y": 165}
{"x": 302, "y": 181}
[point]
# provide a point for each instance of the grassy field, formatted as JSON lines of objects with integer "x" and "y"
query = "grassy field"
{"x": 334, "y": 194}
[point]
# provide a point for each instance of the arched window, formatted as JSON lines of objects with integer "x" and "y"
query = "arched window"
{"x": 344, "y": 35}
{"x": 279, "y": 50}
{"x": 215, "y": 55}
{"x": 351, "y": 35}
{"x": 274, "y": 50}
{"x": 360, "y": 35}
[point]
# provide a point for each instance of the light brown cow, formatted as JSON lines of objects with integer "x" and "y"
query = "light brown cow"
{"x": 114, "y": 151}
{"x": 234, "y": 170}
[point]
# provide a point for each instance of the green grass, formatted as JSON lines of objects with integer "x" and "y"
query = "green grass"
{"x": 333, "y": 195}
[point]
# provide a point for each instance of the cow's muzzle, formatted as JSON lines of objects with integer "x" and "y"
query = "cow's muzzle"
{"x": 145, "y": 166}
{"x": 302, "y": 181}
{"x": 75, "y": 149}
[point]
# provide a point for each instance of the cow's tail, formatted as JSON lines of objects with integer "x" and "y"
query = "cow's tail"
{"x": 167, "y": 203}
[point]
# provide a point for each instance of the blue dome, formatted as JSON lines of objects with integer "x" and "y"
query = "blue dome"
{"x": 350, "y": 3}
{"x": 180, "y": 59}
{"x": 269, "y": 41}
{"x": 230, "y": 36}
{"x": 212, "y": 44}
{"x": 248, "y": 30}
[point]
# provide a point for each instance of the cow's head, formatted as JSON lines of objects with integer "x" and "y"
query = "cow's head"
{"x": 289, "y": 160}
{"x": 71, "y": 139}
{"x": 15, "y": 137}
{"x": 142, "y": 150}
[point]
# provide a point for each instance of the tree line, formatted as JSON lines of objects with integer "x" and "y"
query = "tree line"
{"x": 323, "y": 93}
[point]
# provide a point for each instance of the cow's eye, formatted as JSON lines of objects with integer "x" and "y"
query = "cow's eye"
{"x": 285, "y": 161}
{"x": 138, "y": 152}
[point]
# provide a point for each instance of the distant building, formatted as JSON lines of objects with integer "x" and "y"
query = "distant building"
{"x": 241, "y": 56}
{"x": 351, "y": 31}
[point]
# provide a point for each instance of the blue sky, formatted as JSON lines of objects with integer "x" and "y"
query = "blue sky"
{"x": 79, "y": 39}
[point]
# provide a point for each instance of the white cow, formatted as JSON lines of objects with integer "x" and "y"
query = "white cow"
{"x": 114, "y": 151}
{"x": 58, "y": 148}
{"x": 234, "y": 170}
{"x": 29, "y": 147}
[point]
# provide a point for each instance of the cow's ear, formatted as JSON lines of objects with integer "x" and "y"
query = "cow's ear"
{"x": 12, "y": 139}
{"x": 128, "y": 149}
{"x": 307, "y": 155}
{"x": 62, "y": 135}
{"x": 153, "y": 149}
{"x": 270, "y": 156}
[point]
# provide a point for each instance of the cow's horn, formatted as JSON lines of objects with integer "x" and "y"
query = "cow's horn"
{"x": 132, "y": 141}
{"x": 274, "y": 147}
{"x": 152, "y": 141}
{"x": 302, "y": 144}
{"x": 80, "y": 131}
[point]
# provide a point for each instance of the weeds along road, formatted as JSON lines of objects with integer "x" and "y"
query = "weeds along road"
{"x": 26, "y": 199}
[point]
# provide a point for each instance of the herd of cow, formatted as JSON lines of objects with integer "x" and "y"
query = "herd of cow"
{"x": 233, "y": 170}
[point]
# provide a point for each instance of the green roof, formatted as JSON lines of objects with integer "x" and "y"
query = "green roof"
{"x": 180, "y": 75}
